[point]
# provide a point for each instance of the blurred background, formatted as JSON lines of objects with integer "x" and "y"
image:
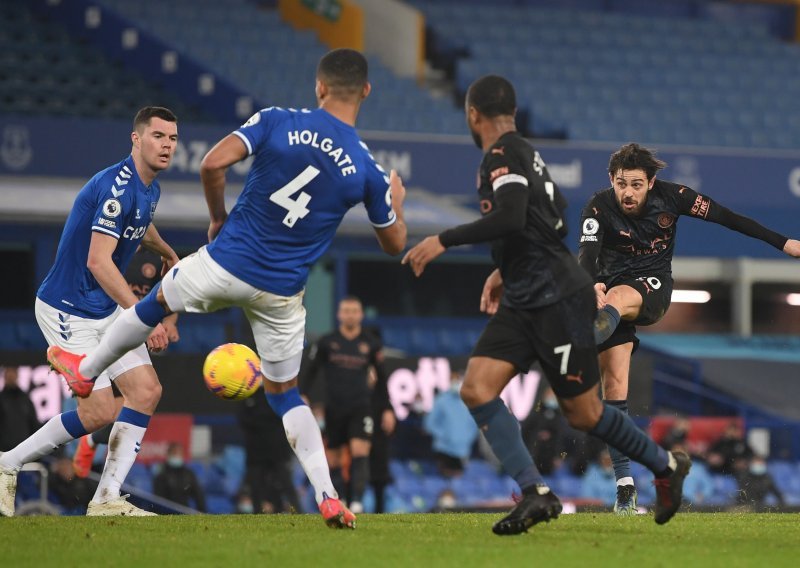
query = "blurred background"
{"x": 713, "y": 85}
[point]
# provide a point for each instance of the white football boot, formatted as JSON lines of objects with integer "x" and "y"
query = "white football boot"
{"x": 118, "y": 507}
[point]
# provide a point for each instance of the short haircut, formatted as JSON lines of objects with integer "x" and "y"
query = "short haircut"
{"x": 634, "y": 157}
{"x": 144, "y": 115}
{"x": 492, "y": 96}
{"x": 344, "y": 71}
{"x": 350, "y": 298}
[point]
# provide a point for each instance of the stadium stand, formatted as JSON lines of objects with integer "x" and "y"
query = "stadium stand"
{"x": 710, "y": 79}
{"x": 44, "y": 71}
{"x": 254, "y": 49}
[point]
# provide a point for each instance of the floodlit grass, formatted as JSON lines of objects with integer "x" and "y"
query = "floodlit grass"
{"x": 233, "y": 541}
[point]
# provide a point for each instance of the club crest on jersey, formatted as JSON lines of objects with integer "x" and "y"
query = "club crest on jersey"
{"x": 112, "y": 208}
{"x": 590, "y": 226}
{"x": 665, "y": 220}
{"x": 363, "y": 348}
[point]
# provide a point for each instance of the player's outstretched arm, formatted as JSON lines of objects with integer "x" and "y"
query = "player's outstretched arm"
{"x": 393, "y": 238}
{"x": 223, "y": 155}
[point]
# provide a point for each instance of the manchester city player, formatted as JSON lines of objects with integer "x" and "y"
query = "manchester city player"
{"x": 626, "y": 245}
{"x": 543, "y": 307}
{"x": 81, "y": 296}
{"x": 309, "y": 169}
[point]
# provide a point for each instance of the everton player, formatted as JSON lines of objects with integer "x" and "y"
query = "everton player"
{"x": 82, "y": 295}
{"x": 543, "y": 307}
{"x": 310, "y": 168}
{"x": 143, "y": 272}
{"x": 626, "y": 245}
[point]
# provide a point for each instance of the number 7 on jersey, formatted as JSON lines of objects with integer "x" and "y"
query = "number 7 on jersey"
{"x": 295, "y": 208}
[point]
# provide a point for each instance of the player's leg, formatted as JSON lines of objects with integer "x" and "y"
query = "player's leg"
{"x": 138, "y": 382}
{"x": 334, "y": 455}
{"x": 278, "y": 325}
{"x": 502, "y": 350}
{"x": 87, "y": 445}
{"x": 360, "y": 444}
{"x": 92, "y": 413}
{"x": 587, "y": 413}
{"x": 575, "y": 378}
{"x": 614, "y": 369}
{"x": 622, "y": 303}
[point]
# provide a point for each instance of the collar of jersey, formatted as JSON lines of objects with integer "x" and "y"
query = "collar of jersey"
{"x": 335, "y": 120}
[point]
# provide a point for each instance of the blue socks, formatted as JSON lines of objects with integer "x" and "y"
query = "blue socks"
{"x": 285, "y": 401}
{"x": 149, "y": 310}
{"x": 503, "y": 433}
{"x": 605, "y": 322}
{"x": 622, "y": 463}
{"x": 72, "y": 424}
{"x": 618, "y": 430}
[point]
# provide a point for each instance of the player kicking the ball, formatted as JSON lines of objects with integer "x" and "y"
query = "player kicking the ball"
{"x": 310, "y": 168}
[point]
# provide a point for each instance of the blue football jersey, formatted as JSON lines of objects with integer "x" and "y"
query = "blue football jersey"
{"x": 114, "y": 202}
{"x": 309, "y": 169}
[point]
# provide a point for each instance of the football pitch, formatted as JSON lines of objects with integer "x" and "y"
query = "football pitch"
{"x": 419, "y": 540}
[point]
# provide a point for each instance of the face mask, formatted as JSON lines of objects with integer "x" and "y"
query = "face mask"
{"x": 758, "y": 468}
{"x": 246, "y": 508}
{"x": 174, "y": 461}
{"x": 550, "y": 403}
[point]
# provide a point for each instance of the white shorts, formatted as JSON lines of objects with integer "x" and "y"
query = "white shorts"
{"x": 200, "y": 285}
{"x": 81, "y": 335}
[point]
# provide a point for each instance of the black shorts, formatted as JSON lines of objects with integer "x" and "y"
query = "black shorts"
{"x": 341, "y": 427}
{"x": 559, "y": 336}
{"x": 656, "y": 292}
{"x": 115, "y": 390}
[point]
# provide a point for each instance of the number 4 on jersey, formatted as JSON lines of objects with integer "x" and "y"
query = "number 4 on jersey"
{"x": 295, "y": 208}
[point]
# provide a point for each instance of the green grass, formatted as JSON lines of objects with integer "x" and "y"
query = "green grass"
{"x": 587, "y": 540}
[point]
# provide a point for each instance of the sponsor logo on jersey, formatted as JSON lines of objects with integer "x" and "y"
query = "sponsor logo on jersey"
{"x": 700, "y": 207}
{"x": 590, "y": 226}
{"x": 112, "y": 208}
{"x": 588, "y": 239}
{"x": 134, "y": 233}
{"x": 665, "y": 220}
{"x": 107, "y": 223}
{"x": 501, "y": 151}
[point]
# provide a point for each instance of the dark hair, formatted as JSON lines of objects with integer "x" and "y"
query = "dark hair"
{"x": 144, "y": 115}
{"x": 492, "y": 96}
{"x": 350, "y": 298}
{"x": 634, "y": 157}
{"x": 344, "y": 71}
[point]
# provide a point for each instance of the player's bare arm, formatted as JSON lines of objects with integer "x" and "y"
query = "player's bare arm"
{"x": 223, "y": 155}
{"x": 393, "y": 238}
{"x": 492, "y": 292}
{"x": 152, "y": 241}
{"x": 102, "y": 267}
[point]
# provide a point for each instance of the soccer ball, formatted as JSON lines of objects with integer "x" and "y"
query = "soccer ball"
{"x": 232, "y": 371}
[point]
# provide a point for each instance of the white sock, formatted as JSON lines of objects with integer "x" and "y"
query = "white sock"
{"x": 305, "y": 439}
{"x": 41, "y": 443}
{"x": 90, "y": 441}
{"x": 123, "y": 445}
{"x": 127, "y": 332}
{"x": 624, "y": 481}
